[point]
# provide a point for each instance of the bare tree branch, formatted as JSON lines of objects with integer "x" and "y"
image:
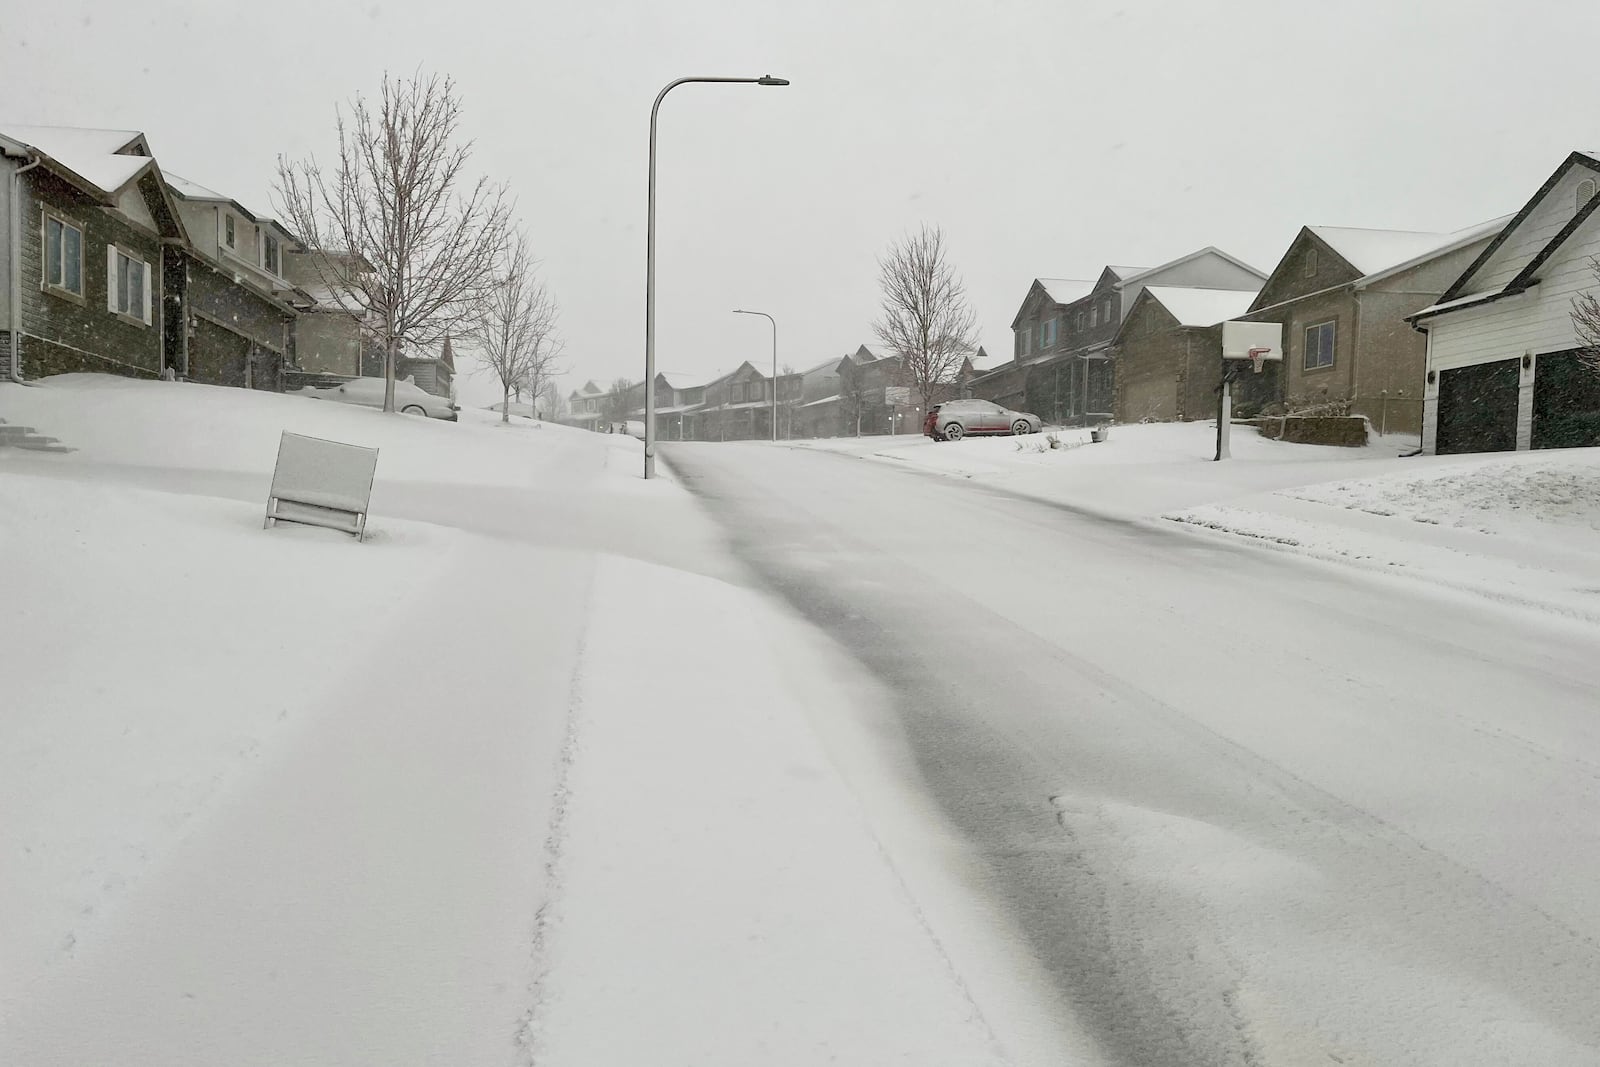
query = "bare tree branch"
{"x": 400, "y": 238}
{"x": 1586, "y": 320}
{"x": 926, "y": 319}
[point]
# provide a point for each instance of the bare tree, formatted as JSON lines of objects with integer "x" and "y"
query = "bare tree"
{"x": 1586, "y": 320}
{"x": 403, "y": 239}
{"x": 926, "y": 319}
{"x": 852, "y": 396}
{"x": 548, "y": 402}
{"x": 514, "y": 326}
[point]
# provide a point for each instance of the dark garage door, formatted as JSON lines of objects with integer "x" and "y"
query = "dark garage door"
{"x": 1566, "y": 402}
{"x": 1478, "y": 408}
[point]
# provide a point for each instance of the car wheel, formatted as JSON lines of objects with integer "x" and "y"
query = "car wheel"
{"x": 412, "y": 409}
{"x": 1020, "y": 427}
{"x": 953, "y": 432}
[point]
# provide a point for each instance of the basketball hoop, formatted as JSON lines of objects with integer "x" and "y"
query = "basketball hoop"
{"x": 1254, "y": 356}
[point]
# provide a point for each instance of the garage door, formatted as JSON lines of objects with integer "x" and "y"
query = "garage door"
{"x": 1566, "y": 402}
{"x": 1478, "y": 408}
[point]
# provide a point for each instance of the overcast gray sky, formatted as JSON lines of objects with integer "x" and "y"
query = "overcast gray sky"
{"x": 1046, "y": 138}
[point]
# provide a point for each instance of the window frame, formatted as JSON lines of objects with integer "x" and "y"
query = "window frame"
{"x": 1580, "y": 200}
{"x": 1332, "y": 326}
{"x": 60, "y": 289}
{"x": 1094, "y": 316}
{"x": 116, "y": 254}
{"x": 1105, "y": 310}
{"x": 230, "y": 232}
{"x": 268, "y": 240}
{"x": 1311, "y": 262}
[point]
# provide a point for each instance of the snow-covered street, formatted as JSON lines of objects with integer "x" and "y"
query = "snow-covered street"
{"x": 1246, "y": 807}
{"x": 782, "y": 758}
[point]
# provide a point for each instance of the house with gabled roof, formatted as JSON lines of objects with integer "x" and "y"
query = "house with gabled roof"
{"x": 1342, "y": 295}
{"x": 584, "y": 406}
{"x": 1505, "y": 365}
{"x": 84, "y": 215}
{"x": 1168, "y": 352}
{"x": 232, "y": 309}
{"x": 1062, "y": 367}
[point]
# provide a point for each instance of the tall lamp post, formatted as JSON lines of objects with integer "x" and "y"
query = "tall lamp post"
{"x": 650, "y": 268}
{"x": 774, "y": 322}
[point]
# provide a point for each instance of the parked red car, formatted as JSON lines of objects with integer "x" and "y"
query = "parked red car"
{"x": 955, "y": 419}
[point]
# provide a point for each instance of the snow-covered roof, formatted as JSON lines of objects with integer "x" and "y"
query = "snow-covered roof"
{"x": 818, "y": 403}
{"x": 1202, "y": 307}
{"x": 1370, "y": 251}
{"x": 192, "y": 190}
{"x": 1459, "y": 302}
{"x": 1450, "y": 243}
{"x": 1124, "y": 273}
{"x": 1066, "y": 290}
{"x": 93, "y": 155}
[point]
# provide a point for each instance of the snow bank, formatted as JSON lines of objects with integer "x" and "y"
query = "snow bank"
{"x": 1523, "y": 528}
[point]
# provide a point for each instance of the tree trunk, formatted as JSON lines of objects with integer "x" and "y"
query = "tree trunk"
{"x": 388, "y": 374}
{"x": 505, "y": 405}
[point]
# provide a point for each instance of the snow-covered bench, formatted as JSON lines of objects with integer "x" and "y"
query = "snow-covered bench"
{"x": 322, "y": 483}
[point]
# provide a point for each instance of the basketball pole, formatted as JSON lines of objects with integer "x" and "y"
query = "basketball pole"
{"x": 1224, "y": 413}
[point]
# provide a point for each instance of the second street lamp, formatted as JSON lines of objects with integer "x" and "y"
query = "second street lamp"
{"x": 650, "y": 269}
{"x": 774, "y": 322}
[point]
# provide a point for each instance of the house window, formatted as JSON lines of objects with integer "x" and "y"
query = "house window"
{"x": 1311, "y": 262}
{"x": 1586, "y": 191}
{"x": 1319, "y": 346}
{"x": 1023, "y": 337}
{"x": 269, "y": 253}
{"x": 63, "y": 256}
{"x": 1094, "y": 315}
{"x": 127, "y": 285}
{"x": 1105, "y": 310}
{"x": 228, "y": 236}
{"x": 1081, "y": 320}
{"x": 754, "y": 390}
{"x": 1047, "y": 332}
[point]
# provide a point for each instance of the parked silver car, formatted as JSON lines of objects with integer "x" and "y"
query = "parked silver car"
{"x": 955, "y": 419}
{"x": 368, "y": 392}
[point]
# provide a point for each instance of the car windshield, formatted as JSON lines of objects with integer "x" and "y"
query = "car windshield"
{"x": 905, "y": 532}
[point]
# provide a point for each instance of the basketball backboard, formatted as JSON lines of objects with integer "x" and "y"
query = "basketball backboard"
{"x": 1239, "y": 338}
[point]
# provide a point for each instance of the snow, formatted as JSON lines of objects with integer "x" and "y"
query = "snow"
{"x": 1461, "y": 301}
{"x": 1202, "y": 307}
{"x": 1124, "y": 273}
{"x": 453, "y": 795}
{"x": 1523, "y": 529}
{"x": 89, "y": 153}
{"x": 1520, "y": 529}
{"x": 192, "y": 190}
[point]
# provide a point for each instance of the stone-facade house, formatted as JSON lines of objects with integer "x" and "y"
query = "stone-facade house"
{"x": 231, "y": 309}
{"x": 1503, "y": 356}
{"x": 1168, "y": 352}
{"x": 1063, "y": 367}
{"x": 1342, "y": 295}
{"x": 84, "y": 215}
{"x": 738, "y": 406}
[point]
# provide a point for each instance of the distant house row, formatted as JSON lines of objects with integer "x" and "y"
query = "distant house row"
{"x": 1466, "y": 338}
{"x": 864, "y": 392}
{"x": 109, "y": 264}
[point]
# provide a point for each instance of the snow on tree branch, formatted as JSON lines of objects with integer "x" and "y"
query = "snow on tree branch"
{"x": 1586, "y": 320}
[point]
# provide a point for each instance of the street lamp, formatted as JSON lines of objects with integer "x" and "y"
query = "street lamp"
{"x": 650, "y": 269}
{"x": 774, "y": 322}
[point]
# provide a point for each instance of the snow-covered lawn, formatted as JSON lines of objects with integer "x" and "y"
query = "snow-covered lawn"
{"x": 1521, "y": 528}
{"x": 510, "y": 777}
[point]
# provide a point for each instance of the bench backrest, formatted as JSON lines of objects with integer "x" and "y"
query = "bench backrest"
{"x": 329, "y": 474}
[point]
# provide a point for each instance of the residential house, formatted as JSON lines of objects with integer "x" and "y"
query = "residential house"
{"x": 231, "y": 311}
{"x": 1503, "y": 356}
{"x": 820, "y": 410}
{"x": 84, "y": 217}
{"x": 432, "y": 374}
{"x": 332, "y": 340}
{"x": 677, "y": 395}
{"x": 1168, "y": 352}
{"x": 1062, "y": 365}
{"x": 739, "y": 406}
{"x": 584, "y": 407}
{"x": 1342, "y": 295}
